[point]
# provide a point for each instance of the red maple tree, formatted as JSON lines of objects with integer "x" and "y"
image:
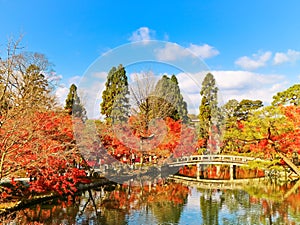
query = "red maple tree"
{"x": 41, "y": 146}
{"x": 163, "y": 139}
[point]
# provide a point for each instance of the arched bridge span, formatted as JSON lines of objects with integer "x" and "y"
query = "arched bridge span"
{"x": 212, "y": 160}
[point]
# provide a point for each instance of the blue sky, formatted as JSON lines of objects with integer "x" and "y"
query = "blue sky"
{"x": 252, "y": 47}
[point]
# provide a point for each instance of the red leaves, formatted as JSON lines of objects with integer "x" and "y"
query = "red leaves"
{"x": 139, "y": 196}
{"x": 36, "y": 147}
{"x": 4, "y": 194}
{"x": 169, "y": 137}
{"x": 240, "y": 124}
{"x": 62, "y": 182}
{"x": 268, "y": 132}
{"x": 13, "y": 181}
{"x": 263, "y": 143}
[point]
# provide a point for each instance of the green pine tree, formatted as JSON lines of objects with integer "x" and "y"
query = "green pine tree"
{"x": 73, "y": 104}
{"x": 115, "y": 102}
{"x": 208, "y": 110}
{"x": 290, "y": 96}
{"x": 35, "y": 90}
{"x": 181, "y": 111}
{"x": 166, "y": 101}
{"x": 246, "y": 107}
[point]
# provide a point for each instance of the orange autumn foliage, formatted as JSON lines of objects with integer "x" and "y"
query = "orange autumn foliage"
{"x": 40, "y": 146}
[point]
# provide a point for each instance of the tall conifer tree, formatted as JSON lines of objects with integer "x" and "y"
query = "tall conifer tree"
{"x": 181, "y": 106}
{"x": 208, "y": 110}
{"x": 166, "y": 100}
{"x": 115, "y": 103}
{"x": 73, "y": 104}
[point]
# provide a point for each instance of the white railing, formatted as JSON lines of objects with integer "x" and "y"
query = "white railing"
{"x": 212, "y": 159}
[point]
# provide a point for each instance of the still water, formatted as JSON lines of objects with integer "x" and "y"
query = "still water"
{"x": 164, "y": 202}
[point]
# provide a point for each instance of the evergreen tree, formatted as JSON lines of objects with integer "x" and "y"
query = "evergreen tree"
{"x": 291, "y": 96}
{"x": 25, "y": 83}
{"x": 35, "y": 90}
{"x": 237, "y": 111}
{"x": 166, "y": 101}
{"x": 115, "y": 103}
{"x": 73, "y": 104}
{"x": 245, "y": 107}
{"x": 233, "y": 113}
{"x": 208, "y": 110}
{"x": 181, "y": 106}
{"x": 229, "y": 109}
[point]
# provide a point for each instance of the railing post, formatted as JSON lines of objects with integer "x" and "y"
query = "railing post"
{"x": 198, "y": 171}
{"x": 232, "y": 172}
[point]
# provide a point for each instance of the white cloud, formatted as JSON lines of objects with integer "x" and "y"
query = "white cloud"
{"x": 53, "y": 77}
{"x": 203, "y": 51}
{"x": 240, "y": 79}
{"x": 260, "y": 59}
{"x": 61, "y": 94}
{"x": 289, "y": 56}
{"x": 143, "y": 34}
{"x": 94, "y": 92}
{"x": 237, "y": 85}
{"x": 74, "y": 80}
{"x": 248, "y": 85}
{"x": 90, "y": 91}
{"x": 87, "y": 90}
{"x": 63, "y": 89}
{"x": 172, "y": 52}
{"x": 256, "y": 61}
{"x": 190, "y": 83}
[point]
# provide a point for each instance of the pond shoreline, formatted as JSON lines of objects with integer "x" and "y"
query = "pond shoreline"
{"x": 102, "y": 181}
{"x": 17, "y": 205}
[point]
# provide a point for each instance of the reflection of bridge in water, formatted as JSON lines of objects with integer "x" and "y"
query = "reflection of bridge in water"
{"x": 215, "y": 184}
{"x": 262, "y": 184}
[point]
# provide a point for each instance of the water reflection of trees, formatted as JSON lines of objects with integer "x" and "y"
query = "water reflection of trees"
{"x": 210, "y": 205}
{"x": 164, "y": 200}
{"x": 256, "y": 204}
{"x": 163, "y": 203}
{"x": 110, "y": 205}
{"x": 56, "y": 211}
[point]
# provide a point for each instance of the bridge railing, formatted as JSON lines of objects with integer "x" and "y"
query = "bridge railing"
{"x": 185, "y": 160}
{"x": 212, "y": 158}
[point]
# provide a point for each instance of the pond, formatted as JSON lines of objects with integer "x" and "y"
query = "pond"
{"x": 167, "y": 202}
